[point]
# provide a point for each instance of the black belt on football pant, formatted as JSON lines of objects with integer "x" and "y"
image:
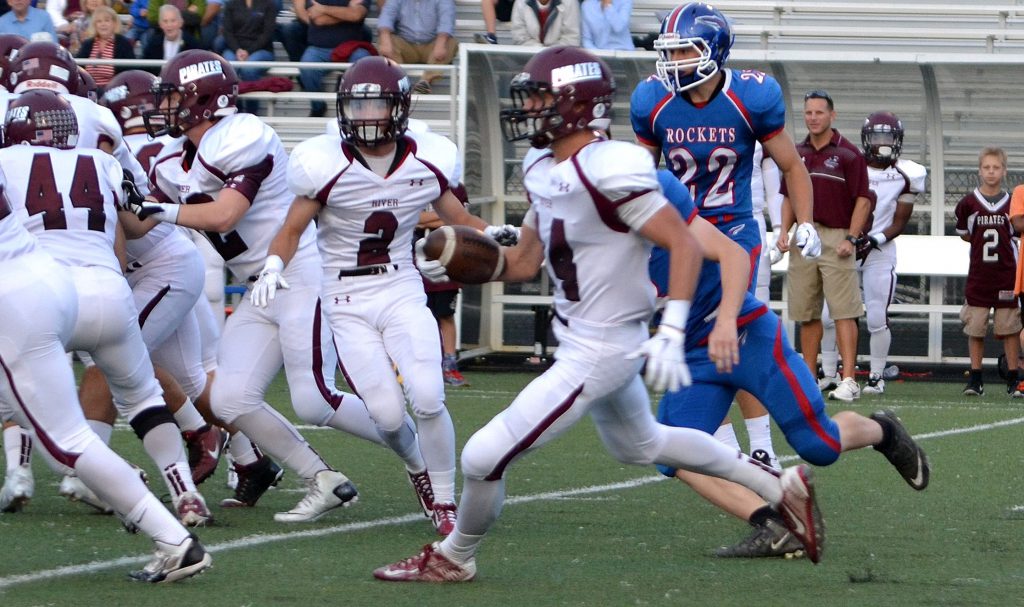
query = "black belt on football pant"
{"x": 368, "y": 270}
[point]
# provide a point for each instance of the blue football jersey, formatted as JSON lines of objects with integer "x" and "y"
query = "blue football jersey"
{"x": 710, "y": 148}
{"x": 708, "y": 293}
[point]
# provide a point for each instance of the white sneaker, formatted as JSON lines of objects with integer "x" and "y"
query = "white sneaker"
{"x": 172, "y": 563}
{"x": 17, "y": 490}
{"x": 829, "y": 383}
{"x": 328, "y": 490}
{"x": 875, "y": 385}
{"x": 848, "y": 390}
{"x": 75, "y": 490}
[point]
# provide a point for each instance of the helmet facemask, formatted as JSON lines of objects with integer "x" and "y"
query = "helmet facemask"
{"x": 369, "y": 117}
{"x": 537, "y": 125}
{"x": 163, "y": 119}
{"x": 678, "y": 75}
{"x": 882, "y": 142}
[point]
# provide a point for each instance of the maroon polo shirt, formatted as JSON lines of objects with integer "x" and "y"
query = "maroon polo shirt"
{"x": 839, "y": 175}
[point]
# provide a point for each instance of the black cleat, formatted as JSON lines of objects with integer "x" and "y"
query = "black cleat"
{"x": 902, "y": 451}
{"x": 768, "y": 540}
{"x": 172, "y": 563}
{"x": 974, "y": 388}
{"x": 253, "y": 482}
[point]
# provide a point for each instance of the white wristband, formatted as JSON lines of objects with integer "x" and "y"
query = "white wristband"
{"x": 880, "y": 238}
{"x": 675, "y": 314}
{"x": 169, "y": 212}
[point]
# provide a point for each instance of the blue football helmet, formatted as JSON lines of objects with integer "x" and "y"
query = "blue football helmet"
{"x": 696, "y": 26}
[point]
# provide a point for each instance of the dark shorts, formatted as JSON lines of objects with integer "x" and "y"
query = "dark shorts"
{"x": 442, "y": 303}
{"x": 503, "y": 10}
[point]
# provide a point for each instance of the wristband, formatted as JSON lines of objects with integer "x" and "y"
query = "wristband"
{"x": 169, "y": 212}
{"x": 851, "y": 239}
{"x": 675, "y": 313}
{"x": 880, "y": 239}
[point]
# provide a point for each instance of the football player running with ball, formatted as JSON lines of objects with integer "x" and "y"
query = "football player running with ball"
{"x": 595, "y": 209}
{"x": 368, "y": 187}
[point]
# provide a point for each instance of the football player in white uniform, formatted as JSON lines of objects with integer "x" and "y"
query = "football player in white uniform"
{"x": 36, "y": 386}
{"x": 595, "y": 208}
{"x": 69, "y": 199}
{"x": 226, "y": 176}
{"x": 896, "y": 182}
{"x": 368, "y": 190}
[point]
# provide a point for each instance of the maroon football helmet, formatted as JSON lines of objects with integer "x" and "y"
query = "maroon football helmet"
{"x": 373, "y": 102}
{"x": 40, "y": 117}
{"x": 882, "y": 138}
{"x": 43, "y": 65}
{"x": 128, "y": 95}
{"x": 194, "y": 86}
{"x": 582, "y": 89}
{"x": 9, "y": 45}
{"x": 87, "y": 86}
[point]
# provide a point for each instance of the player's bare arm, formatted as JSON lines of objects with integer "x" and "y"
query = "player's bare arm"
{"x": 286, "y": 242}
{"x": 219, "y": 215}
{"x": 667, "y": 229}
{"x": 451, "y": 210}
{"x": 522, "y": 262}
{"x": 861, "y": 211}
{"x": 798, "y": 182}
{"x": 904, "y": 208}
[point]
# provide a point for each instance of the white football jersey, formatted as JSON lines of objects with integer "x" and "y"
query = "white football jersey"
{"x": 242, "y": 153}
{"x": 96, "y": 125}
{"x": 160, "y": 240}
{"x": 145, "y": 148}
{"x": 906, "y": 177}
{"x": 413, "y": 128}
{"x": 68, "y": 199}
{"x": 368, "y": 219}
{"x": 15, "y": 240}
{"x": 587, "y": 210}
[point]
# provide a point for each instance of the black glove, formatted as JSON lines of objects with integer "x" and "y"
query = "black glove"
{"x": 865, "y": 244}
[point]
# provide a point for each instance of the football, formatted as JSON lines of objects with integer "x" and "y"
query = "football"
{"x": 468, "y": 255}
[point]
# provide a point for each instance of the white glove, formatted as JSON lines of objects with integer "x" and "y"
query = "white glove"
{"x": 808, "y": 241}
{"x": 774, "y": 253}
{"x": 431, "y": 268}
{"x": 160, "y": 211}
{"x": 506, "y": 235}
{"x": 268, "y": 282}
{"x": 666, "y": 365}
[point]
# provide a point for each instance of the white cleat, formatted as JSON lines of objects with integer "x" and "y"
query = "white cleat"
{"x": 17, "y": 490}
{"x": 875, "y": 385}
{"x": 829, "y": 383}
{"x": 848, "y": 390}
{"x": 75, "y": 490}
{"x": 328, "y": 490}
{"x": 172, "y": 563}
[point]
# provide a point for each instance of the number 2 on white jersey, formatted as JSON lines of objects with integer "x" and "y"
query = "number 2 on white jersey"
{"x": 721, "y": 162}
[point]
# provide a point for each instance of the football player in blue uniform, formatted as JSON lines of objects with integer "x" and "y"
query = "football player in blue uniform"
{"x": 773, "y": 372}
{"x": 705, "y": 121}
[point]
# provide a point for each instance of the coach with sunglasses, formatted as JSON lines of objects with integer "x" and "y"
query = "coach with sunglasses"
{"x": 842, "y": 205}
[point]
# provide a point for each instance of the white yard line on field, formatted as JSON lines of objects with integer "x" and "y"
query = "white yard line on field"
{"x": 261, "y": 539}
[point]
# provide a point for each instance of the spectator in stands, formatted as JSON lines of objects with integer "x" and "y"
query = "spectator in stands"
{"x": 329, "y": 25}
{"x": 842, "y": 205}
{"x": 293, "y": 35}
{"x": 546, "y": 22}
{"x": 249, "y": 36}
{"x": 982, "y": 219}
{"x": 493, "y": 11}
{"x": 419, "y": 31}
{"x": 63, "y": 13}
{"x": 28, "y": 22}
{"x": 606, "y": 24}
{"x": 105, "y": 42}
{"x": 210, "y": 26}
{"x": 140, "y": 30}
{"x": 170, "y": 39}
{"x": 191, "y": 13}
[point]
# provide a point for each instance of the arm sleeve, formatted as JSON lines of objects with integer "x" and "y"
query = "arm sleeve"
{"x": 388, "y": 15}
{"x": 446, "y": 18}
{"x": 961, "y": 219}
{"x": 857, "y": 177}
{"x": 300, "y": 182}
{"x": 768, "y": 110}
{"x": 772, "y": 179}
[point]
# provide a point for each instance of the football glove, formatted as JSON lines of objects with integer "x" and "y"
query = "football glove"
{"x": 865, "y": 244}
{"x": 666, "y": 368}
{"x": 268, "y": 282}
{"x": 808, "y": 241}
{"x": 774, "y": 252}
{"x": 506, "y": 235}
{"x": 431, "y": 268}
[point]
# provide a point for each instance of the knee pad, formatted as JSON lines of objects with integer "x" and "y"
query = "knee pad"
{"x": 487, "y": 454}
{"x": 877, "y": 320}
{"x": 311, "y": 406}
{"x": 150, "y": 418}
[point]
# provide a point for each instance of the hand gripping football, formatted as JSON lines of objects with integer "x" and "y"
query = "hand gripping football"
{"x": 468, "y": 255}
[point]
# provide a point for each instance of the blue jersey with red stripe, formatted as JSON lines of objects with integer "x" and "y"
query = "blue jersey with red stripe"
{"x": 708, "y": 293}
{"x": 710, "y": 147}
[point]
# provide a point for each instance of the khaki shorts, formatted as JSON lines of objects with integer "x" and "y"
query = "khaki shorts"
{"x": 975, "y": 319}
{"x": 828, "y": 278}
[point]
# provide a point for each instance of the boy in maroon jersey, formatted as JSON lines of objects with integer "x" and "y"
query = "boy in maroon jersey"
{"x": 982, "y": 219}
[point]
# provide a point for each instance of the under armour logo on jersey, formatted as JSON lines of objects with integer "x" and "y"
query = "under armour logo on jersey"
{"x": 415, "y": 182}
{"x": 563, "y": 187}
{"x": 337, "y": 300}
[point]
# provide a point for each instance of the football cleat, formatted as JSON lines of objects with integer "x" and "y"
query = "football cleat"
{"x": 771, "y": 539}
{"x": 829, "y": 383}
{"x": 903, "y": 451}
{"x": 848, "y": 390}
{"x": 767, "y": 459}
{"x": 444, "y": 516}
{"x": 427, "y": 566}
{"x": 1013, "y": 390}
{"x": 253, "y": 482}
{"x": 192, "y": 510}
{"x": 172, "y": 563}
{"x": 328, "y": 490}
{"x": 424, "y": 491}
{"x": 974, "y": 388}
{"x": 75, "y": 490}
{"x": 204, "y": 449}
{"x": 17, "y": 490}
{"x": 799, "y": 509}
{"x": 875, "y": 385}
{"x": 453, "y": 378}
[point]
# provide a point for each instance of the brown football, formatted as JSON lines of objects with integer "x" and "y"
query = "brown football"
{"x": 468, "y": 255}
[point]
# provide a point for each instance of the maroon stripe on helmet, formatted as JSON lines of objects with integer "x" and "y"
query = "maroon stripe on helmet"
{"x": 64, "y": 457}
{"x": 148, "y": 308}
{"x": 532, "y": 436}
{"x": 333, "y": 398}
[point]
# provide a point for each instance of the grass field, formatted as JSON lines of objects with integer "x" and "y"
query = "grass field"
{"x": 579, "y": 529}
